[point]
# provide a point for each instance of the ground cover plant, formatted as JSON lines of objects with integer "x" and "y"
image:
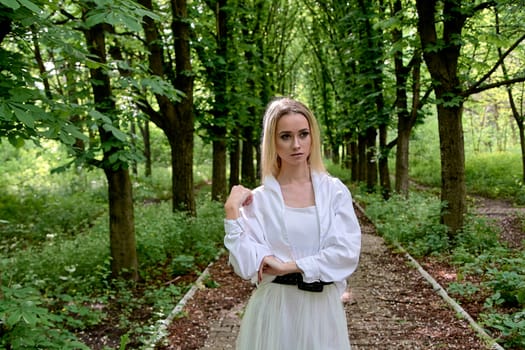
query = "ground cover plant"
{"x": 483, "y": 270}
{"x": 55, "y": 290}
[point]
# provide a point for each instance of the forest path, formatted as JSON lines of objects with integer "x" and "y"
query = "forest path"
{"x": 392, "y": 305}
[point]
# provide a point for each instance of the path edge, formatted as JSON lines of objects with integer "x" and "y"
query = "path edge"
{"x": 443, "y": 294}
{"x": 162, "y": 329}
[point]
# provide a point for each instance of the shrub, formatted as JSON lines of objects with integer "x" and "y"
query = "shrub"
{"x": 26, "y": 324}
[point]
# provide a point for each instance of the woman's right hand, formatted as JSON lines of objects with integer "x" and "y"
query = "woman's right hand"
{"x": 239, "y": 196}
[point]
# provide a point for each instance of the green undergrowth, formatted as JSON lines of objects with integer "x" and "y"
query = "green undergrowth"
{"x": 55, "y": 264}
{"x": 476, "y": 252}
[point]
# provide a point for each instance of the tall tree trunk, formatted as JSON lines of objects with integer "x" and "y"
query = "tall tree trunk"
{"x": 405, "y": 120}
{"x": 402, "y": 153}
{"x": 235, "y": 160}
{"x": 354, "y": 163}
{"x": 218, "y": 188}
{"x": 220, "y": 111}
{"x": 248, "y": 173}
{"x": 453, "y": 187}
{"x": 181, "y": 139}
{"x": 361, "y": 158}
{"x": 370, "y": 159}
{"x": 442, "y": 65}
{"x": 176, "y": 120}
{"x": 144, "y": 130}
{"x": 124, "y": 262}
{"x": 384, "y": 173}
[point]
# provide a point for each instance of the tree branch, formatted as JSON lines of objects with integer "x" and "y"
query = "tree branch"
{"x": 498, "y": 63}
{"x": 479, "y": 89}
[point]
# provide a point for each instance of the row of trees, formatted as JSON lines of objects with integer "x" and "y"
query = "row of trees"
{"x": 93, "y": 74}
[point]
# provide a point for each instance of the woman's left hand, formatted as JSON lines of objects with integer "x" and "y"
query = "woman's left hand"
{"x": 273, "y": 266}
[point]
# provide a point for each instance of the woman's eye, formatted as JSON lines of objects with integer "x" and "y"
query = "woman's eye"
{"x": 285, "y": 137}
{"x": 305, "y": 134}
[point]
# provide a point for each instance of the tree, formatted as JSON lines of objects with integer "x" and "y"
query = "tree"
{"x": 124, "y": 260}
{"x": 175, "y": 115}
{"x": 440, "y": 26}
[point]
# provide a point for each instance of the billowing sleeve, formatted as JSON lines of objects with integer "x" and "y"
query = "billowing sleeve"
{"x": 339, "y": 253}
{"x": 246, "y": 244}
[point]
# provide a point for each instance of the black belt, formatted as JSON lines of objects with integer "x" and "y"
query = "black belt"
{"x": 297, "y": 279}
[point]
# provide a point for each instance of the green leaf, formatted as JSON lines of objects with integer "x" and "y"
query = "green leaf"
{"x": 29, "y": 317}
{"x": 13, "y": 318}
{"x": 99, "y": 116}
{"x": 95, "y": 19}
{"x": 12, "y": 4}
{"x": 132, "y": 23}
{"x": 30, "y": 5}
{"x": 74, "y": 131}
{"x": 115, "y": 131}
{"x": 23, "y": 116}
{"x": 16, "y": 141}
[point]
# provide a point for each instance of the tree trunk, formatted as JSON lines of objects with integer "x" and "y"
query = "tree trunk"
{"x": 181, "y": 139}
{"x": 371, "y": 161}
{"x": 361, "y": 158}
{"x": 248, "y": 174}
{"x": 405, "y": 120}
{"x": 402, "y": 153}
{"x": 442, "y": 65}
{"x": 218, "y": 188}
{"x": 147, "y": 147}
{"x": 220, "y": 76}
{"x": 176, "y": 120}
{"x": 124, "y": 261}
{"x": 384, "y": 173}
{"x": 354, "y": 163}
{"x": 453, "y": 188}
{"x": 235, "y": 160}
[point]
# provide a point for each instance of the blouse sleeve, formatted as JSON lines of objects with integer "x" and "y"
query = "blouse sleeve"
{"x": 339, "y": 254}
{"x": 245, "y": 241}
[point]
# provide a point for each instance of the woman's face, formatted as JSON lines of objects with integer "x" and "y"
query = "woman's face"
{"x": 293, "y": 139}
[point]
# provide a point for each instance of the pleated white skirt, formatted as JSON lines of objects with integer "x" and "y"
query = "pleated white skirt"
{"x": 283, "y": 317}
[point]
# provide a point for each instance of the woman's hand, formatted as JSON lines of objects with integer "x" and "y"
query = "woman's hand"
{"x": 270, "y": 265}
{"x": 239, "y": 196}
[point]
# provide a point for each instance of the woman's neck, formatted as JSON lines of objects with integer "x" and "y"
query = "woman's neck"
{"x": 291, "y": 175}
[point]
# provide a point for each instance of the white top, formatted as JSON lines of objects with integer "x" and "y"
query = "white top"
{"x": 248, "y": 238}
{"x": 302, "y": 226}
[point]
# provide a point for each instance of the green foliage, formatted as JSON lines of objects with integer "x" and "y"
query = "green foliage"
{"x": 511, "y": 326}
{"x": 477, "y": 236}
{"x": 56, "y": 243}
{"x": 506, "y": 278}
{"x": 335, "y": 170}
{"x": 465, "y": 290}
{"x": 25, "y": 322}
{"x": 491, "y": 174}
{"x": 413, "y": 223}
{"x": 495, "y": 175}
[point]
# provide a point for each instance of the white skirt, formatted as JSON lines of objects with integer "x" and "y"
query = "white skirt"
{"x": 283, "y": 317}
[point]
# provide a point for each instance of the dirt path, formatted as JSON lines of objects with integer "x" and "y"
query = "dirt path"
{"x": 393, "y": 307}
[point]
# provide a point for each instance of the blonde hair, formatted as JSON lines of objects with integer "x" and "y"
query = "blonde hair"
{"x": 278, "y": 107}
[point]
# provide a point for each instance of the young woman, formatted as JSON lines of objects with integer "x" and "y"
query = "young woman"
{"x": 296, "y": 236}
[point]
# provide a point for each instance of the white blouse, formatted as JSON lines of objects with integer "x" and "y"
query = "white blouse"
{"x": 265, "y": 227}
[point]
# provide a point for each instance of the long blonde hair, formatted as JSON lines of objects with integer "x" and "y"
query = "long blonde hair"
{"x": 278, "y": 107}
